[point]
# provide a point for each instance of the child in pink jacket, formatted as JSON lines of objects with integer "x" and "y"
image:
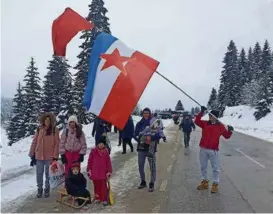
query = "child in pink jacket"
{"x": 99, "y": 169}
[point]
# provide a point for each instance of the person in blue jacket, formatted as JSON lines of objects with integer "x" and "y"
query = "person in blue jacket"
{"x": 187, "y": 125}
{"x": 127, "y": 134}
{"x": 146, "y": 138}
{"x": 99, "y": 128}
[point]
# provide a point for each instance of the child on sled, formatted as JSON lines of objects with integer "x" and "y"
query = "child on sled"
{"x": 75, "y": 184}
{"x": 99, "y": 169}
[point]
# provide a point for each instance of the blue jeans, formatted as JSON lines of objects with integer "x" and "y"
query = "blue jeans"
{"x": 142, "y": 155}
{"x": 41, "y": 167}
{"x": 206, "y": 155}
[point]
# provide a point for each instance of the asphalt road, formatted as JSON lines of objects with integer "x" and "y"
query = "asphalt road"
{"x": 246, "y": 183}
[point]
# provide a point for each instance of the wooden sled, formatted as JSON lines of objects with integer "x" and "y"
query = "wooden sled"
{"x": 70, "y": 200}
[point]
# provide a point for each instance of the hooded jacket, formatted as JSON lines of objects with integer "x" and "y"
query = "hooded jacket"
{"x": 44, "y": 146}
{"x": 99, "y": 163}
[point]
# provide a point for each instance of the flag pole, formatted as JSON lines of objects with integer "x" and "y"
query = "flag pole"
{"x": 187, "y": 95}
{"x": 178, "y": 88}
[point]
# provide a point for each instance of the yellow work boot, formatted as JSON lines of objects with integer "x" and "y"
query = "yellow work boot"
{"x": 203, "y": 185}
{"x": 214, "y": 188}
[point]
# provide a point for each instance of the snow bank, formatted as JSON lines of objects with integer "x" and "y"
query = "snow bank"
{"x": 242, "y": 119}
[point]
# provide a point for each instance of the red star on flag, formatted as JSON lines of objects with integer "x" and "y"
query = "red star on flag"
{"x": 114, "y": 59}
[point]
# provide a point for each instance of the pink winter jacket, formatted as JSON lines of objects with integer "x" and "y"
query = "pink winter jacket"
{"x": 99, "y": 164}
{"x": 45, "y": 147}
{"x": 71, "y": 143}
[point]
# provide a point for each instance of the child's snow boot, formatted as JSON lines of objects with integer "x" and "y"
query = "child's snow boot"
{"x": 214, "y": 188}
{"x": 39, "y": 192}
{"x": 203, "y": 185}
{"x": 46, "y": 193}
{"x": 142, "y": 185}
{"x": 151, "y": 187}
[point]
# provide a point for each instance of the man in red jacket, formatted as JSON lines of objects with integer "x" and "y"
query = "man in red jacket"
{"x": 212, "y": 130}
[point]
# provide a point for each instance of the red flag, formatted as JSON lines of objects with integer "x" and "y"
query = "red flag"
{"x": 65, "y": 27}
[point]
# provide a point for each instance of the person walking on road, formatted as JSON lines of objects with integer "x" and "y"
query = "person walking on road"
{"x": 100, "y": 127}
{"x": 44, "y": 150}
{"x": 73, "y": 144}
{"x": 146, "y": 148}
{"x": 212, "y": 130}
{"x": 187, "y": 125}
{"x": 127, "y": 134}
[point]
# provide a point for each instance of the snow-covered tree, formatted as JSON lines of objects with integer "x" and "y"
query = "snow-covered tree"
{"x": 32, "y": 95}
{"x": 251, "y": 92}
{"x": 97, "y": 15}
{"x": 229, "y": 85}
{"x": 266, "y": 60}
{"x": 262, "y": 109}
{"x": 213, "y": 102}
{"x": 179, "y": 106}
{"x": 249, "y": 66}
{"x": 57, "y": 90}
{"x": 257, "y": 60}
{"x": 16, "y": 126}
{"x": 192, "y": 111}
{"x": 265, "y": 96}
{"x": 197, "y": 110}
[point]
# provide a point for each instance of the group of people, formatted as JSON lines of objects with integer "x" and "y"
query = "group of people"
{"x": 47, "y": 146}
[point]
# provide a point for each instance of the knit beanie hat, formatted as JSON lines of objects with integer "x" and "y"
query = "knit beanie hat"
{"x": 215, "y": 113}
{"x": 75, "y": 164}
{"x": 73, "y": 118}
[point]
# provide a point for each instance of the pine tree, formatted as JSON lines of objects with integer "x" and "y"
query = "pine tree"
{"x": 32, "y": 94}
{"x": 229, "y": 85}
{"x": 49, "y": 99}
{"x": 213, "y": 103}
{"x": 97, "y": 15}
{"x": 197, "y": 110}
{"x": 16, "y": 129}
{"x": 58, "y": 90}
{"x": 242, "y": 65}
{"x": 249, "y": 66}
{"x": 265, "y": 98}
{"x": 257, "y": 60}
{"x": 192, "y": 111}
{"x": 179, "y": 106}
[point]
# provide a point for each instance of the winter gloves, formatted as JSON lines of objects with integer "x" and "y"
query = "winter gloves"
{"x": 203, "y": 109}
{"x": 63, "y": 158}
{"x": 230, "y": 128}
{"x": 81, "y": 158}
{"x": 33, "y": 161}
{"x": 164, "y": 139}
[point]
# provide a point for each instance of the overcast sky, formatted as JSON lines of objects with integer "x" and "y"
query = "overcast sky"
{"x": 188, "y": 37}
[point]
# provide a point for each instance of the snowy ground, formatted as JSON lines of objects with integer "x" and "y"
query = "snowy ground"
{"x": 242, "y": 119}
{"x": 18, "y": 178}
